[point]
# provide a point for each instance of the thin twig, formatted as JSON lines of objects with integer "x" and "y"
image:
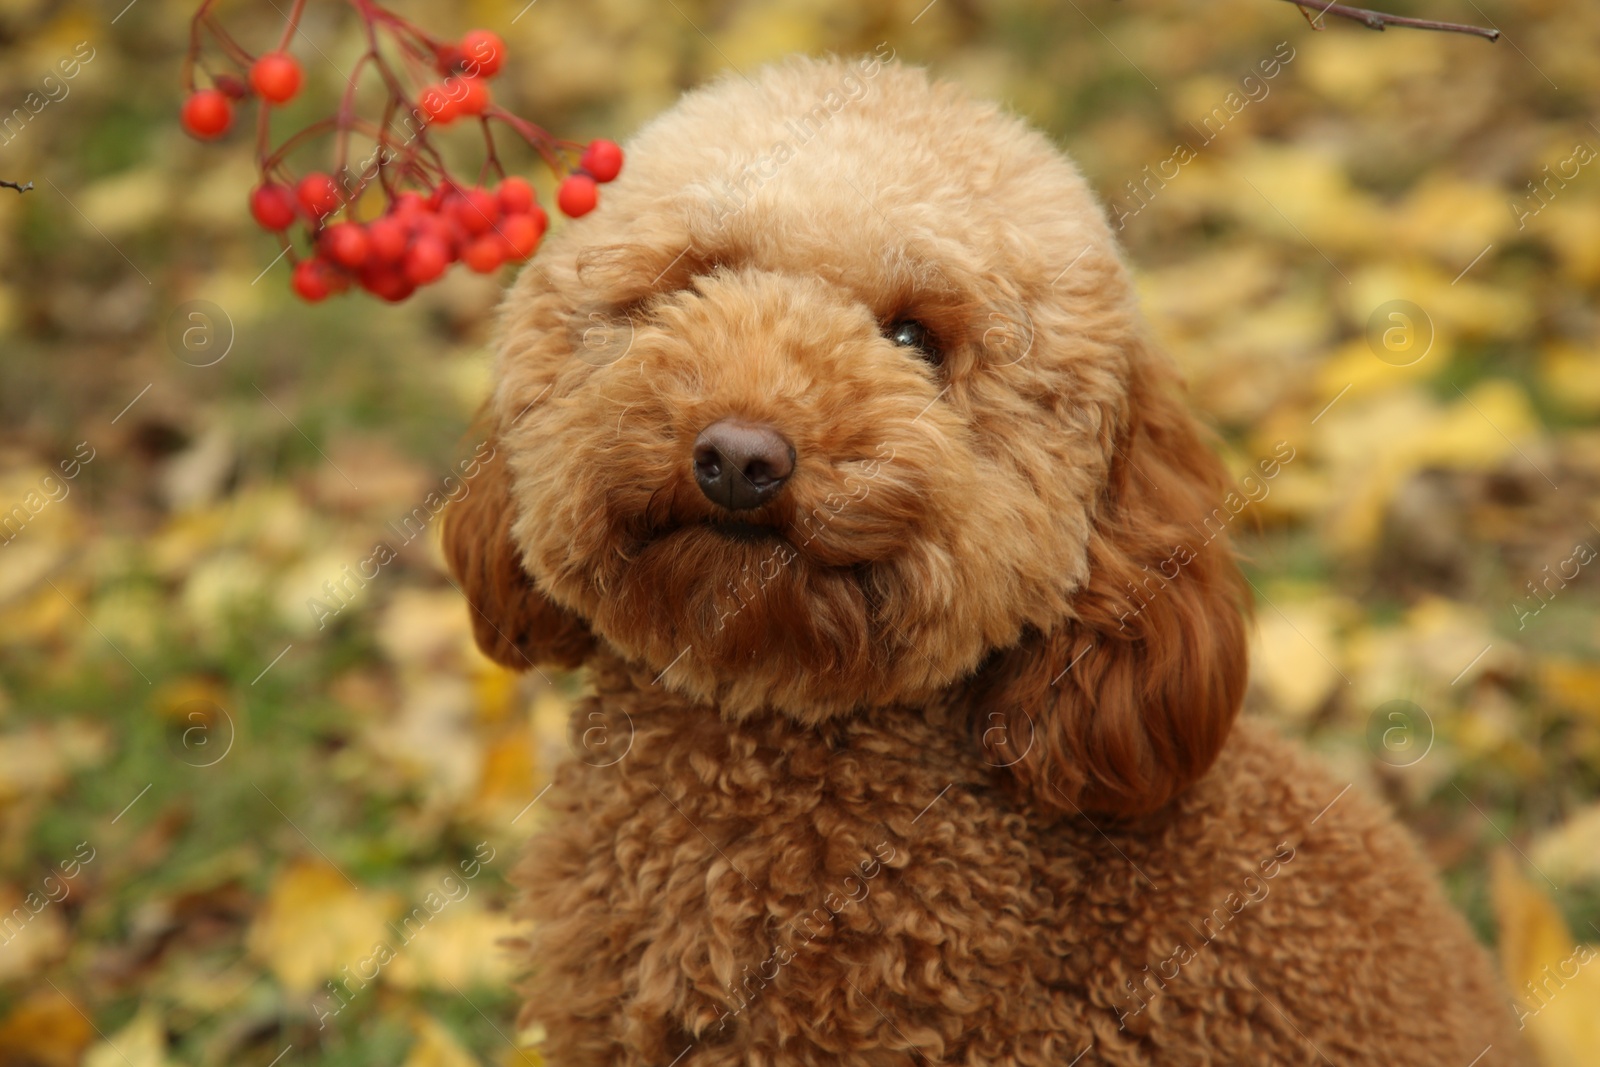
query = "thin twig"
{"x": 536, "y": 136}
{"x": 1379, "y": 20}
{"x": 14, "y": 185}
{"x": 235, "y": 50}
{"x": 291, "y": 26}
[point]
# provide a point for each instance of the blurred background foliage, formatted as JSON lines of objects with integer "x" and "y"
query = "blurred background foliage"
{"x": 257, "y": 797}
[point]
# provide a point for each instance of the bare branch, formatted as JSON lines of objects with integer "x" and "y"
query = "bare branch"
{"x": 13, "y": 185}
{"x": 1378, "y": 20}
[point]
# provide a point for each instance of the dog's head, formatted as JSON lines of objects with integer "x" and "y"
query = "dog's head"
{"x": 842, "y": 400}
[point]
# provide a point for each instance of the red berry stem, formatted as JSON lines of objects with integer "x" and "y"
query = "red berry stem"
{"x": 263, "y": 137}
{"x": 386, "y": 175}
{"x": 347, "y": 113}
{"x": 193, "y": 54}
{"x": 229, "y": 45}
{"x": 421, "y": 43}
{"x": 291, "y": 26}
{"x": 491, "y": 158}
{"x": 536, "y": 137}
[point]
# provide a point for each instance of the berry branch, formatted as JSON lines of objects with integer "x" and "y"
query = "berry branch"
{"x": 397, "y": 218}
{"x": 13, "y": 185}
{"x": 1379, "y": 20}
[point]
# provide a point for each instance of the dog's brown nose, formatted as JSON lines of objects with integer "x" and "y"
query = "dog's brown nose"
{"x": 741, "y": 465}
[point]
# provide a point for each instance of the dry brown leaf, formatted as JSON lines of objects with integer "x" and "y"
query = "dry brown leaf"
{"x": 45, "y": 1029}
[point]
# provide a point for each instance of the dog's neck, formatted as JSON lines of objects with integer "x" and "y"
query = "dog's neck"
{"x": 615, "y": 677}
{"x": 942, "y": 735}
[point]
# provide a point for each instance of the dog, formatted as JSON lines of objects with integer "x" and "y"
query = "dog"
{"x": 835, "y": 449}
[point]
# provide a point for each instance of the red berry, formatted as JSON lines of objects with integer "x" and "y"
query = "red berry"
{"x": 425, "y": 260}
{"x": 515, "y": 195}
{"x": 207, "y": 114}
{"x": 386, "y": 281}
{"x": 387, "y": 238}
{"x": 345, "y": 243}
{"x": 318, "y": 195}
{"x": 521, "y": 236}
{"x": 475, "y": 211}
{"x": 408, "y": 205}
{"x": 484, "y": 254}
{"x": 472, "y": 94}
{"x": 602, "y": 159}
{"x": 440, "y": 229}
{"x": 438, "y": 105}
{"x": 276, "y": 76}
{"x": 578, "y": 195}
{"x": 312, "y": 279}
{"x": 442, "y": 194}
{"x": 482, "y": 53}
{"x": 272, "y": 205}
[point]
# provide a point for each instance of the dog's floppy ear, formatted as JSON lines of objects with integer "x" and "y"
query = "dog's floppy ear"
{"x": 513, "y": 622}
{"x": 1124, "y": 704}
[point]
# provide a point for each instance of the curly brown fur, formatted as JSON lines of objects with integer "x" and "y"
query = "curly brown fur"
{"x": 933, "y": 758}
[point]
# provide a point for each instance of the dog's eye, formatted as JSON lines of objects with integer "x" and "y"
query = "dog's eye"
{"x": 909, "y": 333}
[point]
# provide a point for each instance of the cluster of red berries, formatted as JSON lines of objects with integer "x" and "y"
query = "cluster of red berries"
{"x": 418, "y": 237}
{"x": 478, "y": 55}
{"x": 411, "y": 244}
{"x": 429, "y": 220}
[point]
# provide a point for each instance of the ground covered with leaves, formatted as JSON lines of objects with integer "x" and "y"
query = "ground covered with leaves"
{"x": 219, "y": 800}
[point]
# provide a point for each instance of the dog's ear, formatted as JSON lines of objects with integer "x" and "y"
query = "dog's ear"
{"x": 512, "y": 621}
{"x": 1122, "y": 705}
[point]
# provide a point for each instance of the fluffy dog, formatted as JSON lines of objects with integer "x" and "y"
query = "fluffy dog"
{"x": 835, "y": 449}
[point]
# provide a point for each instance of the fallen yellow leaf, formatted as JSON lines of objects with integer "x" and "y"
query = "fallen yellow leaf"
{"x": 1554, "y": 981}
{"x": 315, "y": 924}
{"x": 142, "y": 1043}
{"x": 1288, "y": 656}
{"x": 1572, "y": 684}
{"x": 459, "y": 947}
{"x": 1571, "y": 851}
{"x": 509, "y": 778}
{"x": 437, "y": 1047}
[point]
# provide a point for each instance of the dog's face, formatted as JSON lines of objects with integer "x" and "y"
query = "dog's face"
{"x": 841, "y": 401}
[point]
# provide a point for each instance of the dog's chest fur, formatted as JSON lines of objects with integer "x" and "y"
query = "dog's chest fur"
{"x": 763, "y": 892}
